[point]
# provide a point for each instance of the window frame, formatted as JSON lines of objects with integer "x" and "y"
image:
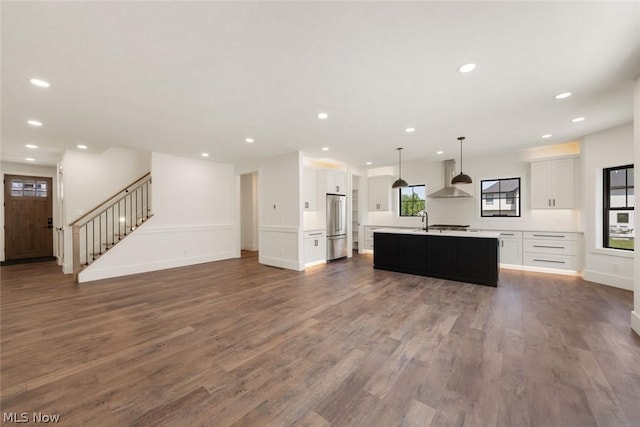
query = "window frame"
{"x": 606, "y": 203}
{"x": 413, "y": 192}
{"x": 507, "y": 195}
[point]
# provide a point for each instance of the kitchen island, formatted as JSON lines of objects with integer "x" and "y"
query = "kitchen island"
{"x": 463, "y": 256}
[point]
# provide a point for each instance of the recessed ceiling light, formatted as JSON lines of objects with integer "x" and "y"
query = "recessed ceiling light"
{"x": 205, "y": 154}
{"x": 32, "y": 146}
{"x": 409, "y": 130}
{"x": 325, "y": 148}
{"x": 34, "y": 123}
{"x": 466, "y": 68}
{"x": 30, "y": 159}
{"x": 547, "y": 136}
{"x": 578, "y": 119}
{"x": 249, "y": 140}
{"x": 82, "y": 146}
{"x": 368, "y": 163}
{"x": 440, "y": 152}
{"x": 323, "y": 116}
{"x": 563, "y": 95}
{"x": 40, "y": 83}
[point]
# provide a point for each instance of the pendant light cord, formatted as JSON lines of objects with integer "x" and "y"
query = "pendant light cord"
{"x": 461, "y": 139}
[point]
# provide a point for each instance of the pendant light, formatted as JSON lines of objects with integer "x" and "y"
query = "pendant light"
{"x": 400, "y": 182}
{"x": 461, "y": 178}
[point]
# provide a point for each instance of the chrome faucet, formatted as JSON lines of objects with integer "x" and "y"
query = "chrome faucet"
{"x": 425, "y": 219}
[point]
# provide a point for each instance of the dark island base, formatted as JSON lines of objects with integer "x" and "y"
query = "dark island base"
{"x": 463, "y": 259}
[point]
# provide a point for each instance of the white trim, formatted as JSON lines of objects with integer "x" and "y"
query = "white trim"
{"x": 281, "y": 263}
{"x": 279, "y": 228}
{"x": 312, "y": 263}
{"x": 252, "y": 248}
{"x": 613, "y": 252}
{"x": 183, "y": 228}
{"x": 635, "y": 322}
{"x": 97, "y": 274}
{"x": 550, "y": 270}
{"x": 609, "y": 280}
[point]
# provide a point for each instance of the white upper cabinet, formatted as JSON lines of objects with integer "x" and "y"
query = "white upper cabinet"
{"x": 552, "y": 184}
{"x": 336, "y": 182}
{"x": 379, "y": 193}
{"x": 310, "y": 190}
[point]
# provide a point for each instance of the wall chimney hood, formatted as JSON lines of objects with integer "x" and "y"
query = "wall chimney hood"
{"x": 449, "y": 190}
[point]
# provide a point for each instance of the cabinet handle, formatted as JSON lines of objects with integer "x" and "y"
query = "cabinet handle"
{"x": 549, "y": 200}
{"x": 378, "y": 206}
{"x": 316, "y": 242}
{"x": 306, "y": 205}
{"x": 554, "y": 202}
{"x": 502, "y": 243}
{"x": 550, "y": 247}
{"x": 337, "y": 188}
{"x": 315, "y": 234}
{"x": 548, "y": 235}
{"x": 507, "y": 234}
{"x": 548, "y": 260}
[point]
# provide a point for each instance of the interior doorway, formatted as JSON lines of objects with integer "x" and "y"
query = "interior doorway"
{"x": 28, "y": 216}
{"x": 249, "y": 212}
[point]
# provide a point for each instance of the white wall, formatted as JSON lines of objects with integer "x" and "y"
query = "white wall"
{"x": 91, "y": 178}
{"x": 601, "y": 150}
{"x": 635, "y": 314}
{"x": 31, "y": 170}
{"x": 466, "y": 211}
{"x": 249, "y": 211}
{"x": 193, "y": 222}
{"x": 281, "y": 218}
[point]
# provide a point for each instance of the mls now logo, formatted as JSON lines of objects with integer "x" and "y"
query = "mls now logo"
{"x": 23, "y": 417}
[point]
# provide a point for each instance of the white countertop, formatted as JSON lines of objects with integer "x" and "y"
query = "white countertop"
{"x": 418, "y": 231}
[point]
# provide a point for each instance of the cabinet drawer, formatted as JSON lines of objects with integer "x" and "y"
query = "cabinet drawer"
{"x": 510, "y": 234}
{"x": 558, "y": 247}
{"x": 314, "y": 234}
{"x": 549, "y": 235}
{"x": 368, "y": 244}
{"x": 563, "y": 262}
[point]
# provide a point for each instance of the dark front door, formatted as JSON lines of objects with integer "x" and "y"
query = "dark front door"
{"x": 27, "y": 217}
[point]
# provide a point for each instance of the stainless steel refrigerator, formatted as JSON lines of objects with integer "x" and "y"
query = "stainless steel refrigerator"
{"x": 336, "y": 226}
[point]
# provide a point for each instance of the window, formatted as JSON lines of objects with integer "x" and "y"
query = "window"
{"x": 618, "y": 206}
{"x": 20, "y": 188}
{"x": 412, "y": 200}
{"x": 507, "y": 194}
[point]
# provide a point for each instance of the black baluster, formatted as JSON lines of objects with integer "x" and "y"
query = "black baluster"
{"x": 86, "y": 244}
{"x": 100, "y": 234}
{"x": 93, "y": 240}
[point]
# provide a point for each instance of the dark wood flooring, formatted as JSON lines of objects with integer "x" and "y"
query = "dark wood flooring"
{"x": 238, "y": 343}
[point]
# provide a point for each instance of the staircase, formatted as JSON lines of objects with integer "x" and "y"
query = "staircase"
{"x": 109, "y": 223}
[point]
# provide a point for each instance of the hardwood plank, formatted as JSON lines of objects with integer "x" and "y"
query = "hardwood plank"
{"x": 238, "y": 343}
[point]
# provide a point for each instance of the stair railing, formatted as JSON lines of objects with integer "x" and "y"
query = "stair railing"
{"x": 103, "y": 227}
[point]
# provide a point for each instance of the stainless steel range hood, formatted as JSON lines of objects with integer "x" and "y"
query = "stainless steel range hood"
{"x": 449, "y": 190}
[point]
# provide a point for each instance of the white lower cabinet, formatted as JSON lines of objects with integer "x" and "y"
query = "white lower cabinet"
{"x": 511, "y": 247}
{"x": 315, "y": 246}
{"x": 550, "y": 250}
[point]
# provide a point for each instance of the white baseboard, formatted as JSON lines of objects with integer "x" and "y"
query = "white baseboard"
{"x": 635, "y": 322}
{"x": 98, "y": 274}
{"x": 280, "y": 262}
{"x": 253, "y": 247}
{"x": 609, "y": 280}
{"x": 539, "y": 269}
{"x": 312, "y": 263}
